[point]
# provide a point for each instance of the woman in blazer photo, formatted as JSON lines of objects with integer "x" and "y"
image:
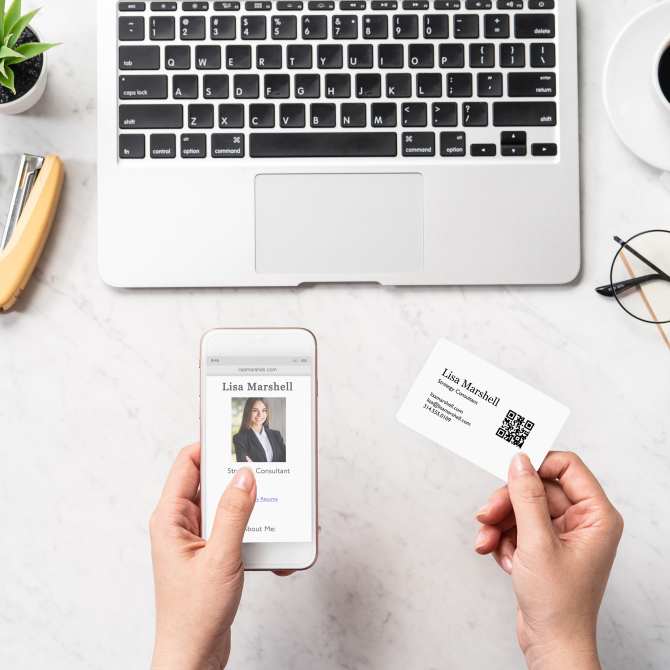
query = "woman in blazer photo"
{"x": 256, "y": 442}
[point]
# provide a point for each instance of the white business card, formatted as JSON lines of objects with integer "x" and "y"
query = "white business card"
{"x": 480, "y": 412}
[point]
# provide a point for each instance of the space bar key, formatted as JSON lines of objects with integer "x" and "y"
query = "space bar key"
{"x": 326, "y": 145}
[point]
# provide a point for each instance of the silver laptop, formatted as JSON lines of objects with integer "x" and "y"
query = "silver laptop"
{"x": 280, "y": 143}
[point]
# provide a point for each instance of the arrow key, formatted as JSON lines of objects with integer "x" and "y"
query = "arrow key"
{"x": 544, "y": 149}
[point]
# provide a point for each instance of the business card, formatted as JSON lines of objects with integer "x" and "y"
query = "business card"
{"x": 479, "y": 411}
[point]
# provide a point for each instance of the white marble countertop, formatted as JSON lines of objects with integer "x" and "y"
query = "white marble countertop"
{"x": 98, "y": 390}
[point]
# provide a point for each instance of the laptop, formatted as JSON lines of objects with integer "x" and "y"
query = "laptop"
{"x": 281, "y": 143}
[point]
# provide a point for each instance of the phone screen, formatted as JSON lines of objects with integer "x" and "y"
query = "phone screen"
{"x": 258, "y": 414}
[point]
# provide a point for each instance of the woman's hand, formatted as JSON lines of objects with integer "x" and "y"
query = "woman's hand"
{"x": 198, "y": 584}
{"x": 556, "y": 534}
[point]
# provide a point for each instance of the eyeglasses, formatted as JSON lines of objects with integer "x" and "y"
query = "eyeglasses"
{"x": 640, "y": 276}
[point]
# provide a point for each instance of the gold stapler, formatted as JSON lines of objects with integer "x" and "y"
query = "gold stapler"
{"x": 33, "y": 202}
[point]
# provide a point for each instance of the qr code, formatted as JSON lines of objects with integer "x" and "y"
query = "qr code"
{"x": 515, "y": 429}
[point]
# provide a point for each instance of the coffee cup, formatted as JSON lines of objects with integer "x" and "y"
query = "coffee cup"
{"x": 661, "y": 74}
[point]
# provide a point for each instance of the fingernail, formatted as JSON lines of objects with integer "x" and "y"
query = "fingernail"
{"x": 480, "y": 540}
{"x": 521, "y": 465}
{"x": 483, "y": 511}
{"x": 507, "y": 564}
{"x": 243, "y": 479}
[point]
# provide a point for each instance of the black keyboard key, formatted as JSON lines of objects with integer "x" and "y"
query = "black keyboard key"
{"x": 513, "y": 143}
{"x": 496, "y": 26}
{"x": 459, "y": 85}
{"x": 194, "y": 146}
{"x": 452, "y": 144}
{"x": 227, "y": 145}
{"x": 475, "y": 114}
{"x": 543, "y": 55}
{"x": 252, "y": 28}
{"x": 215, "y": 86}
{"x": 163, "y": 6}
{"x": 406, "y": 26}
{"x": 226, "y": 6}
{"x": 415, "y": 4}
{"x": 245, "y": 86}
{"x": 359, "y": 56}
{"x": 353, "y": 115}
{"x": 466, "y": 26}
{"x": 192, "y": 28}
{"x": 299, "y": 56}
{"x": 445, "y": 114}
{"x": 398, "y": 85}
{"x": 132, "y": 146}
{"x": 201, "y": 116}
{"x": 178, "y": 57}
{"x": 307, "y": 85}
{"x": 131, "y": 28}
{"x": 265, "y": 6}
{"x": 268, "y": 56}
{"x": 321, "y": 5}
{"x": 513, "y": 55}
{"x": 539, "y": 26}
{"x": 277, "y": 86}
{"x": 381, "y": 5}
{"x": 383, "y": 115}
{"x": 289, "y": 6}
{"x": 435, "y": 26}
{"x": 143, "y": 117}
{"x": 368, "y": 86}
{"x": 222, "y": 27}
{"x": 375, "y": 27}
{"x": 231, "y": 116}
{"x": 429, "y": 85}
{"x": 139, "y": 58}
{"x": 391, "y": 55}
{"x": 516, "y": 114}
{"x": 143, "y": 87}
{"x": 489, "y": 85}
{"x": 314, "y": 27}
{"x": 353, "y": 4}
{"x": 202, "y": 6}
{"x": 328, "y": 145}
{"x": 482, "y": 55}
{"x": 261, "y": 116}
{"x": 345, "y": 27}
{"x": 208, "y": 57}
{"x": 184, "y": 87}
{"x": 531, "y": 85}
{"x": 478, "y": 4}
{"x": 421, "y": 56}
{"x": 544, "y": 149}
{"x": 418, "y": 144}
{"x": 452, "y": 55}
{"x": 540, "y": 4}
{"x": 132, "y": 7}
{"x": 483, "y": 150}
{"x": 161, "y": 28}
{"x": 329, "y": 56}
{"x": 513, "y": 149}
{"x": 163, "y": 146}
{"x": 292, "y": 115}
{"x": 322, "y": 115}
{"x": 447, "y": 4}
{"x": 338, "y": 86}
{"x": 510, "y": 4}
{"x": 414, "y": 115}
{"x": 284, "y": 27}
{"x": 238, "y": 57}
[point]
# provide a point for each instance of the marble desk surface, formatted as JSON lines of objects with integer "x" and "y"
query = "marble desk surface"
{"x": 98, "y": 391}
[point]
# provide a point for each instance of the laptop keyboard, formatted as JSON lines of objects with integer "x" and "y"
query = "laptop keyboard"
{"x": 451, "y": 79}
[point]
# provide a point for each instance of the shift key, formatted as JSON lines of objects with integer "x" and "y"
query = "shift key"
{"x": 151, "y": 116}
{"x": 515, "y": 114}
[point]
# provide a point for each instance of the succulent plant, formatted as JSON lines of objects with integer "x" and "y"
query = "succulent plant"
{"x": 12, "y": 25}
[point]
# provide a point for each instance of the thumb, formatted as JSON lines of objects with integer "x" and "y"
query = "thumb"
{"x": 529, "y": 500}
{"x": 232, "y": 516}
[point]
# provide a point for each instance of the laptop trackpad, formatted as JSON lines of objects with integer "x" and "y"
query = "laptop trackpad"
{"x": 339, "y": 223}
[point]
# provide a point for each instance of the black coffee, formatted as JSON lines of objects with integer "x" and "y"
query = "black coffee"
{"x": 664, "y": 73}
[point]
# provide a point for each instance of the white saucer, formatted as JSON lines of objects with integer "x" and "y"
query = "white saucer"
{"x": 633, "y": 104}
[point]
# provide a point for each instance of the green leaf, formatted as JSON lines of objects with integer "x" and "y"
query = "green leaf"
{"x": 8, "y": 80}
{"x": 12, "y": 15}
{"x": 7, "y": 40}
{"x": 2, "y": 69}
{"x": 2, "y": 14}
{"x": 6, "y": 52}
{"x": 18, "y": 28}
{"x": 32, "y": 49}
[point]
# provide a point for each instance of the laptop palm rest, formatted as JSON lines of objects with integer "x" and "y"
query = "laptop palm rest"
{"x": 339, "y": 223}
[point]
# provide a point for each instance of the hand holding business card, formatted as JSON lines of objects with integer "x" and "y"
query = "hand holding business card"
{"x": 480, "y": 412}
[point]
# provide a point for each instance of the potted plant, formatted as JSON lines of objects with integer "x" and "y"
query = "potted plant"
{"x": 23, "y": 68}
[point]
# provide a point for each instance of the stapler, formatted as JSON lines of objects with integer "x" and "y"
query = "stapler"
{"x": 33, "y": 203}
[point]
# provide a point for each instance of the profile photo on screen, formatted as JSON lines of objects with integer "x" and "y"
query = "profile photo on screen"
{"x": 254, "y": 440}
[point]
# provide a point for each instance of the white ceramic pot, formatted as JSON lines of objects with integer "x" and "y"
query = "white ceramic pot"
{"x": 32, "y": 97}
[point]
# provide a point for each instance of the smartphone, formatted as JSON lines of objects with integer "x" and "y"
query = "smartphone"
{"x": 258, "y": 410}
